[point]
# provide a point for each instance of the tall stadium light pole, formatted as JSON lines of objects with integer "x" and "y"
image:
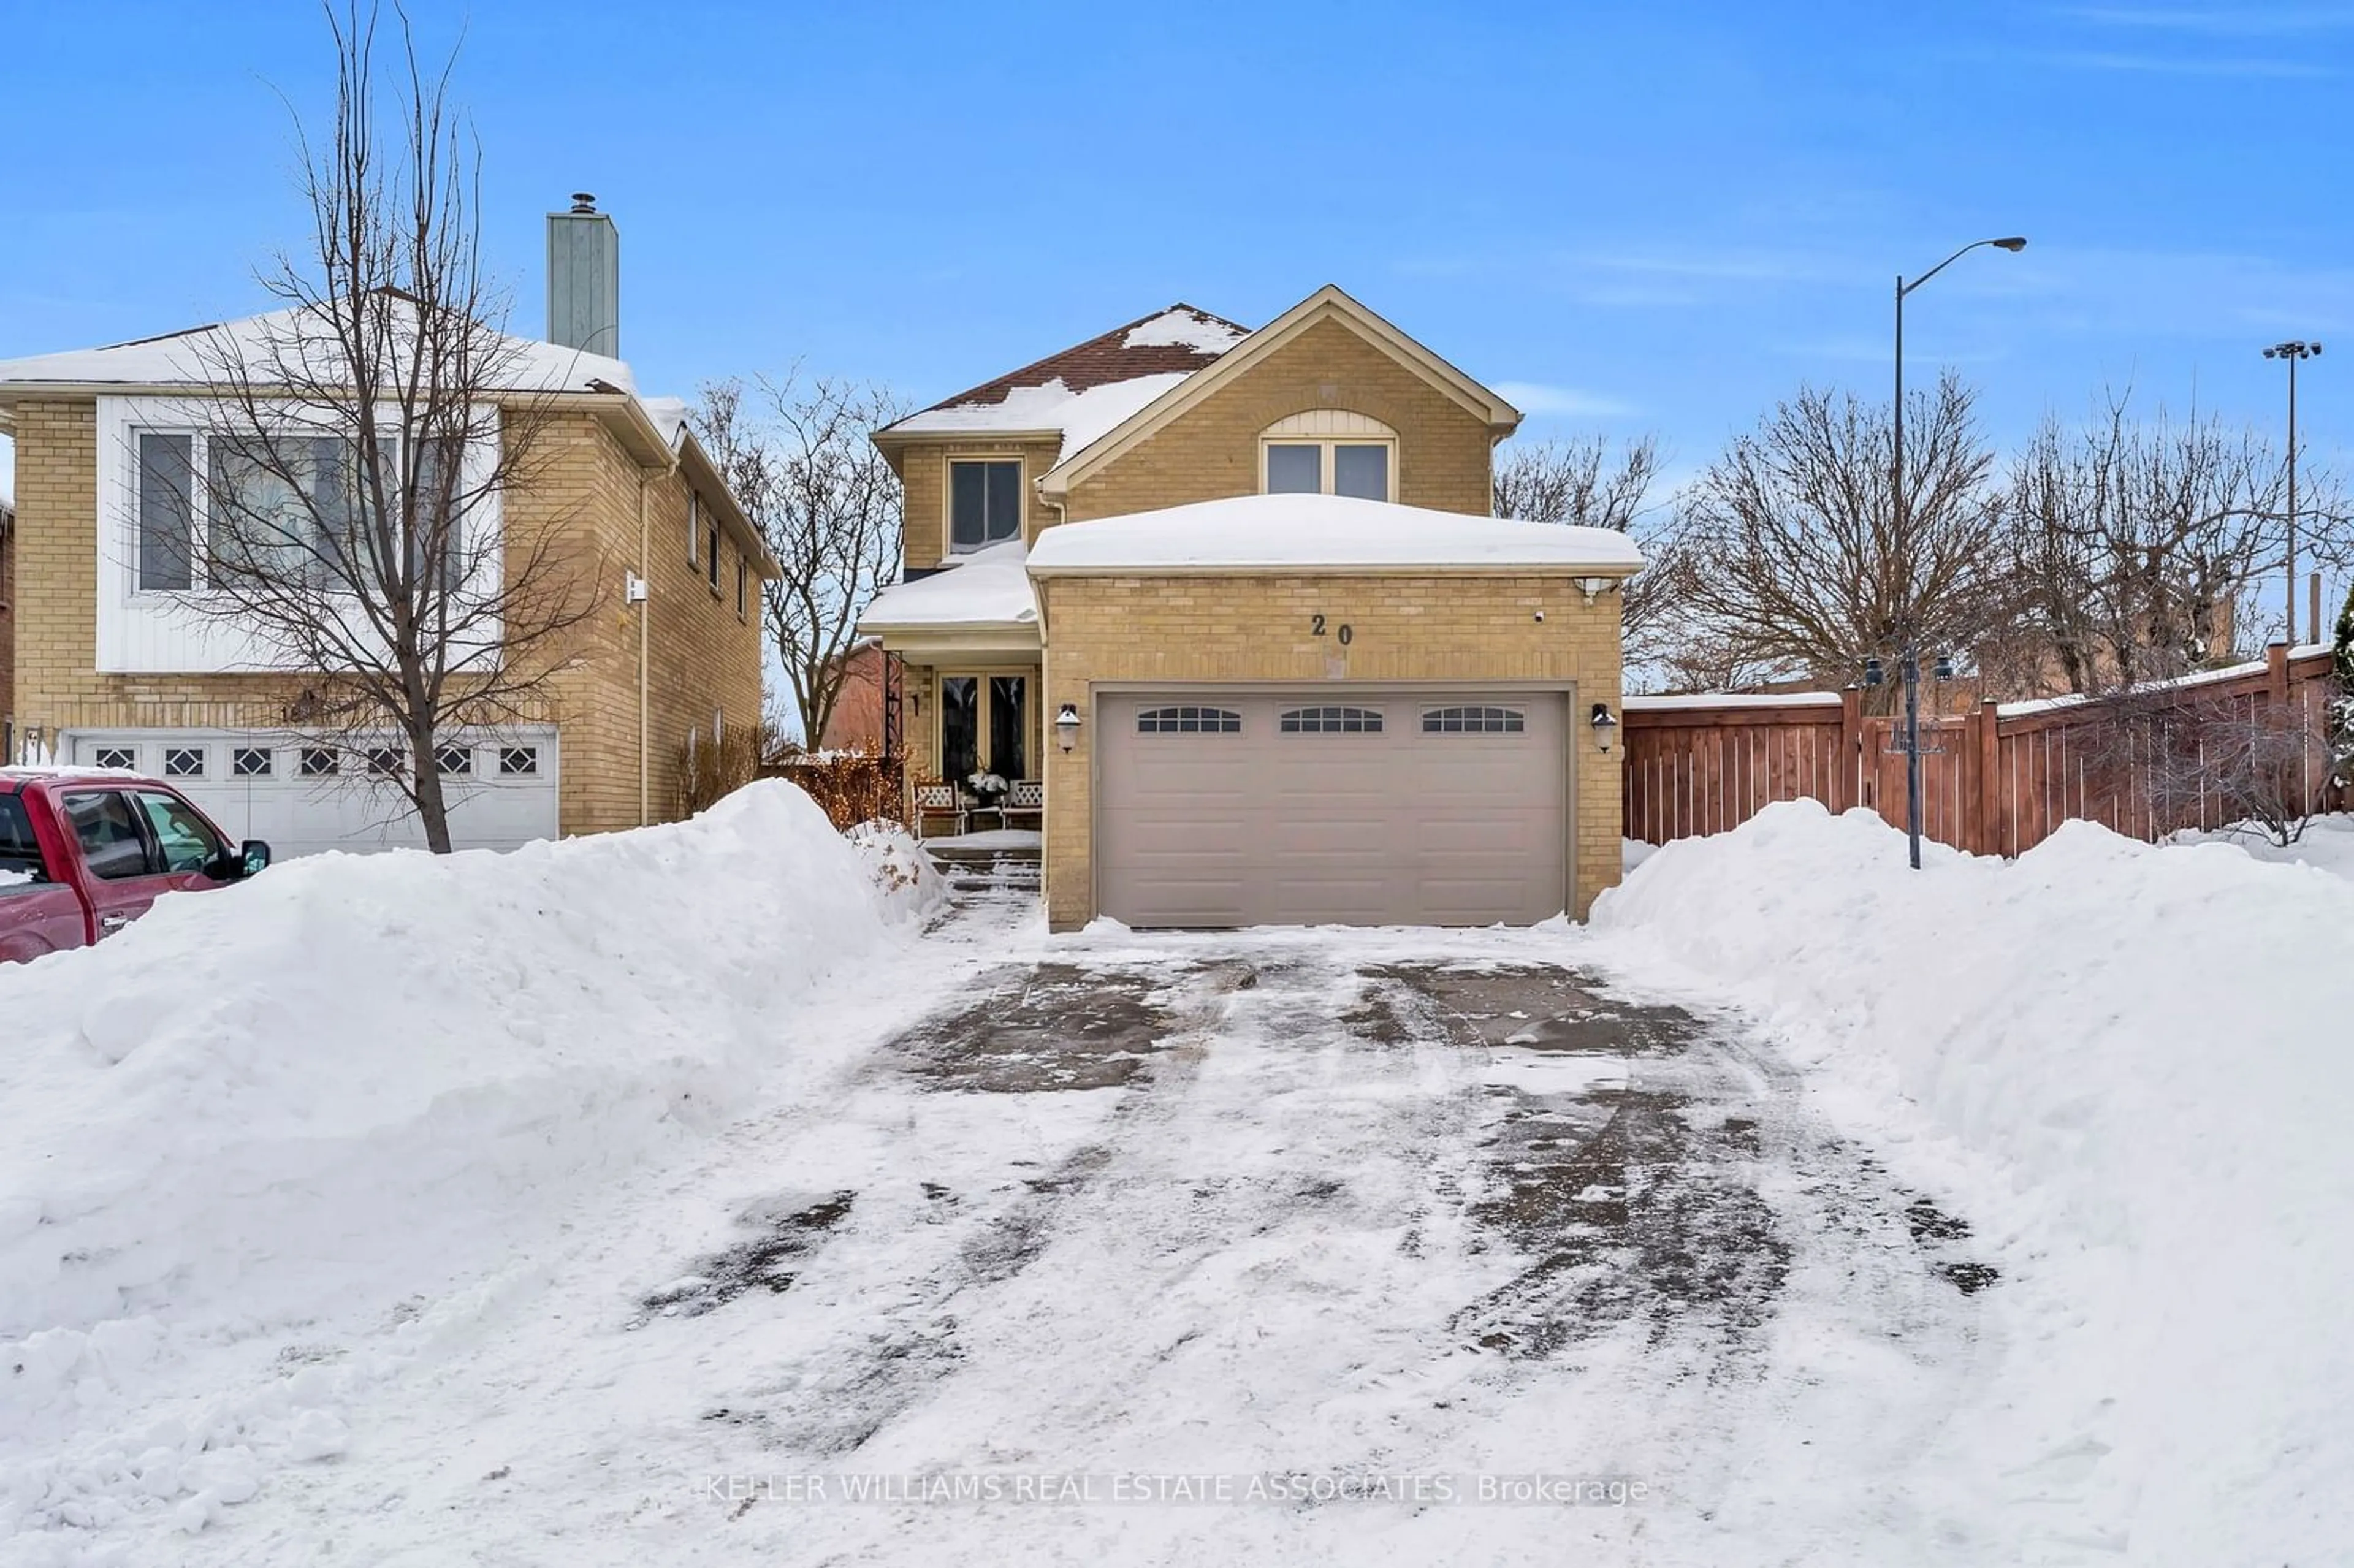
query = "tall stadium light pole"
{"x": 2294, "y": 350}
{"x": 1910, "y": 628}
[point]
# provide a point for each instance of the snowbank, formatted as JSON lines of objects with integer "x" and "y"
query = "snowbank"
{"x": 912, "y": 885}
{"x": 350, "y": 1084}
{"x": 2327, "y": 843}
{"x": 2135, "y": 1064}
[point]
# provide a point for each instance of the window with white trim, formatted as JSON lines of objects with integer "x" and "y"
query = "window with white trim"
{"x": 252, "y": 762}
{"x": 1189, "y": 719}
{"x": 1473, "y": 719}
{"x": 278, "y": 506}
{"x": 1330, "y": 720}
{"x": 454, "y": 761}
{"x": 984, "y": 502}
{"x": 319, "y": 762}
{"x": 518, "y": 762}
{"x": 184, "y": 762}
{"x": 122, "y": 757}
{"x": 1329, "y": 451}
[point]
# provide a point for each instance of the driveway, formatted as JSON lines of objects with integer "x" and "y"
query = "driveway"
{"x": 1298, "y": 1246}
{"x": 1323, "y": 1245}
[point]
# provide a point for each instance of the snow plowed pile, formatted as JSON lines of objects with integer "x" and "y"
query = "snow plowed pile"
{"x": 2136, "y": 1069}
{"x": 349, "y": 1083}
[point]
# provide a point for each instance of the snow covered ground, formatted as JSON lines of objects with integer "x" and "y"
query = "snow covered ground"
{"x": 632, "y": 1200}
{"x": 2129, "y": 1066}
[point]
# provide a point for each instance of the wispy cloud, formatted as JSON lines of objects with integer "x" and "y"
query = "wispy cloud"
{"x": 1563, "y": 402}
{"x": 2255, "y": 22}
{"x": 2188, "y": 65}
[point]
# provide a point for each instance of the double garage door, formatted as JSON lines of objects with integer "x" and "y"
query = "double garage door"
{"x": 302, "y": 795}
{"x": 1343, "y": 805}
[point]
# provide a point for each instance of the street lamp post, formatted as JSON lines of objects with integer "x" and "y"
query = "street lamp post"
{"x": 2294, "y": 350}
{"x": 1904, "y": 513}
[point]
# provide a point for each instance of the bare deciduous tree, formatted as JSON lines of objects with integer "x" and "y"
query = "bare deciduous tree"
{"x": 353, "y": 448}
{"x": 1793, "y": 562}
{"x": 2203, "y": 761}
{"x": 1589, "y": 484}
{"x": 828, "y": 506}
{"x": 2139, "y": 547}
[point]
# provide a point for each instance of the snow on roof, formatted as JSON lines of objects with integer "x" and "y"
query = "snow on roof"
{"x": 1082, "y": 417}
{"x": 988, "y": 587}
{"x": 1085, "y": 391}
{"x": 294, "y": 336}
{"x": 1336, "y": 531}
{"x": 668, "y": 414}
{"x": 1182, "y": 326}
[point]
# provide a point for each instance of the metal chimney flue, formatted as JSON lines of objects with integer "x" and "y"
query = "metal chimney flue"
{"x": 584, "y": 278}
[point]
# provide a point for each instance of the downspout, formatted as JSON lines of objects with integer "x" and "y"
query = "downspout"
{"x": 645, "y": 611}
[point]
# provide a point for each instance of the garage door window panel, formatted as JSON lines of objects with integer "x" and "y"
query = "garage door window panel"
{"x": 1473, "y": 720}
{"x": 1189, "y": 720}
{"x": 1330, "y": 720}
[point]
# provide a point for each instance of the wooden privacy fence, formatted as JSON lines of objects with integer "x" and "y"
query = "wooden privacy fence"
{"x": 1996, "y": 781}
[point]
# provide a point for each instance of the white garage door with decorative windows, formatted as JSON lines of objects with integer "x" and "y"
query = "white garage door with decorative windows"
{"x": 304, "y": 794}
{"x": 1375, "y": 806}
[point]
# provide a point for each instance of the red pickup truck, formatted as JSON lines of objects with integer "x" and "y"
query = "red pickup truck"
{"x": 84, "y": 853}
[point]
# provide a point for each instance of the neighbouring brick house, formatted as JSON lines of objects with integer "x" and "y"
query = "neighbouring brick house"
{"x": 7, "y": 614}
{"x": 110, "y": 668}
{"x": 856, "y": 721}
{"x": 1234, "y": 597}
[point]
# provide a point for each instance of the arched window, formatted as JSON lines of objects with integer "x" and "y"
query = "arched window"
{"x": 1329, "y": 451}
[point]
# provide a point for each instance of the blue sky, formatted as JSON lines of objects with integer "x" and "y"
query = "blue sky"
{"x": 1635, "y": 218}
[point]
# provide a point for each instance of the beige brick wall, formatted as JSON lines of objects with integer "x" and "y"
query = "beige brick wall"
{"x": 7, "y": 620}
{"x": 1212, "y": 450}
{"x": 924, "y": 476}
{"x": 1192, "y": 631}
{"x": 583, "y": 492}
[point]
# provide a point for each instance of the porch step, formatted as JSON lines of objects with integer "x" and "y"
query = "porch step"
{"x": 974, "y": 869}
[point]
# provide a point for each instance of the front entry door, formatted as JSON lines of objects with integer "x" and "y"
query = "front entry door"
{"x": 984, "y": 723}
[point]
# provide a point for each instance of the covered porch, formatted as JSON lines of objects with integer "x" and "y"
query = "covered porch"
{"x": 971, "y": 721}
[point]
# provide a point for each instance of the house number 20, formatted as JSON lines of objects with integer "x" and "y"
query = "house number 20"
{"x": 1346, "y": 632}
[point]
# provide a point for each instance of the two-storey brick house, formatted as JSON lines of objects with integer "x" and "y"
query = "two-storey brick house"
{"x": 1234, "y": 597}
{"x": 113, "y": 667}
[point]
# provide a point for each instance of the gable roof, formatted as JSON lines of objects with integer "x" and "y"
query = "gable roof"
{"x": 1327, "y": 303}
{"x": 1084, "y": 390}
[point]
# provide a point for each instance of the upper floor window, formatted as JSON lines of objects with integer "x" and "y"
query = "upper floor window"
{"x": 984, "y": 502}
{"x": 1329, "y": 451}
{"x": 693, "y": 527}
{"x": 280, "y": 509}
{"x": 711, "y": 552}
{"x": 743, "y": 588}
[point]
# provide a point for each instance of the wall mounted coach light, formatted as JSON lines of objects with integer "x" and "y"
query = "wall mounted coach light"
{"x": 1603, "y": 723}
{"x": 1067, "y": 726}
